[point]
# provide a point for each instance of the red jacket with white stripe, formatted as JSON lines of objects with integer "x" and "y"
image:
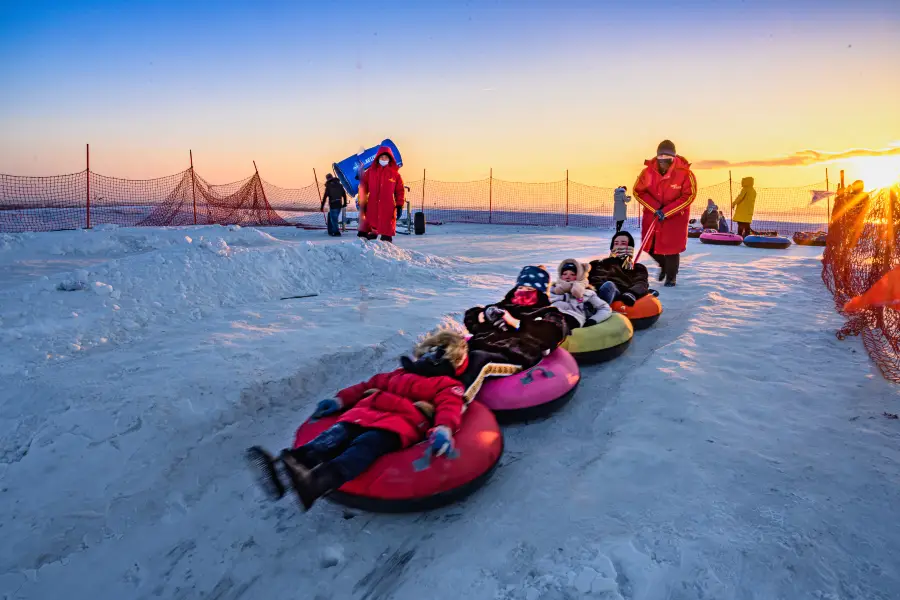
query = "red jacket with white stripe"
{"x": 672, "y": 193}
{"x": 387, "y": 402}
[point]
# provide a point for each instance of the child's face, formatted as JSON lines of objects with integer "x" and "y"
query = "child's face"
{"x": 524, "y": 288}
{"x": 567, "y": 276}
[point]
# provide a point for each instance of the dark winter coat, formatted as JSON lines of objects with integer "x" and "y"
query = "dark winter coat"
{"x": 632, "y": 280}
{"x": 386, "y": 401}
{"x": 542, "y": 328}
{"x": 335, "y": 195}
{"x": 385, "y": 193}
{"x": 709, "y": 219}
{"x": 672, "y": 193}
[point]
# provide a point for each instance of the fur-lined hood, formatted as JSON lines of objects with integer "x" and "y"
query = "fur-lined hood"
{"x": 581, "y": 269}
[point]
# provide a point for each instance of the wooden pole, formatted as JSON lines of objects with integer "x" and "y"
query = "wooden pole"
{"x": 731, "y": 201}
{"x": 316, "y": 178}
{"x": 827, "y": 200}
{"x": 842, "y": 179}
{"x": 423, "y": 190}
{"x": 567, "y": 197}
{"x": 88, "y": 203}
{"x": 261, "y": 188}
{"x": 193, "y": 185}
{"x": 491, "y": 196}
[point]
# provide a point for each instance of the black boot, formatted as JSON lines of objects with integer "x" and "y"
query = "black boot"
{"x": 264, "y": 467}
{"x": 311, "y": 485}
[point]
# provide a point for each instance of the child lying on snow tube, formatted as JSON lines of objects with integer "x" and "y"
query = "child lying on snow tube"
{"x": 617, "y": 277}
{"x": 387, "y": 413}
{"x": 575, "y": 298}
{"x": 523, "y": 327}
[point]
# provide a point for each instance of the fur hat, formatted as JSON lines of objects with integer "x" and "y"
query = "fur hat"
{"x": 534, "y": 277}
{"x": 570, "y": 264}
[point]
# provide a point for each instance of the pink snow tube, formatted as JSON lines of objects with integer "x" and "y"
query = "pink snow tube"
{"x": 533, "y": 393}
{"x": 721, "y": 239}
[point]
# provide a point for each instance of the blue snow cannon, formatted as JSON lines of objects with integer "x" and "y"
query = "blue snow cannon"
{"x": 349, "y": 170}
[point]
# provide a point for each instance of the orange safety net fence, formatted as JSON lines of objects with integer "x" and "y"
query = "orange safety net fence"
{"x": 88, "y": 199}
{"x": 862, "y": 247}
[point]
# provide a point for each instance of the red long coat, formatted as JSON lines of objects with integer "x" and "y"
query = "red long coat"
{"x": 386, "y": 402}
{"x": 386, "y": 192}
{"x": 673, "y": 193}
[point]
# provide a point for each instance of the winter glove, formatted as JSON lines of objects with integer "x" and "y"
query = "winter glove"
{"x": 660, "y": 215}
{"x": 628, "y": 299}
{"x": 441, "y": 440}
{"x": 327, "y": 407}
{"x": 399, "y": 211}
{"x": 494, "y": 316}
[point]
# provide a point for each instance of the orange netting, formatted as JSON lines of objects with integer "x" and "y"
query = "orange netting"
{"x": 861, "y": 248}
{"x": 86, "y": 199}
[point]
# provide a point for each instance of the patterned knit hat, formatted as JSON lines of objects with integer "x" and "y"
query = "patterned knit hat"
{"x": 534, "y": 277}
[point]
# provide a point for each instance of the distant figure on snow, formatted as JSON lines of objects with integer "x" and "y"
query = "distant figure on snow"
{"x": 666, "y": 188}
{"x": 744, "y": 205}
{"x": 523, "y": 327}
{"x": 710, "y": 217}
{"x": 575, "y": 298}
{"x": 336, "y": 196}
{"x": 381, "y": 197}
{"x": 620, "y": 208}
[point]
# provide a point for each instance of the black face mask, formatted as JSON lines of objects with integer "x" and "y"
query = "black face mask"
{"x": 431, "y": 364}
{"x": 664, "y": 165}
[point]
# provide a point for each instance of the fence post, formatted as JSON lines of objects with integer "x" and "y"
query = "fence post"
{"x": 491, "y": 196}
{"x": 319, "y": 191}
{"x": 731, "y": 200}
{"x": 567, "y": 197}
{"x": 88, "y": 204}
{"x": 827, "y": 200}
{"x": 842, "y": 180}
{"x": 193, "y": 185}
{"x": 423, "y": 190}
{"x": 261, "y": 188}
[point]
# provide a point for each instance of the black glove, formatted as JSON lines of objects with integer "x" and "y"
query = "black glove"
{"x": 494, "y": 316}
{"x": 628, "y": 299}
{"x": 399, "y": 211}
{"x": 660, "y": 215}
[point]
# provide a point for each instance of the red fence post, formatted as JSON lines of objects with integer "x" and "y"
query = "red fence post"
{"x": 491, "y": 196}
{"x": 567, "y": 197}
{"x": 193, "y": 186}
{"x": 88, "y": 204}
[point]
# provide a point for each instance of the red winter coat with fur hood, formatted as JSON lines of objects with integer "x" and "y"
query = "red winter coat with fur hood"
{"x": 389, "y": 401}
{"x": 386, "y": 193}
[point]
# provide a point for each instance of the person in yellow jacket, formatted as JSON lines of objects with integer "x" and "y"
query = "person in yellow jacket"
{"x": 744, "y": 205}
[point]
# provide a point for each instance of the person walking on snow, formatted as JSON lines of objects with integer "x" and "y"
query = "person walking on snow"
{"x": 620, "y": 208}
{"x": 336, "y": 197}
{"x": 666, "y": 188}
{"x": 744, "y": 205}
{"x": 381, "y": 197}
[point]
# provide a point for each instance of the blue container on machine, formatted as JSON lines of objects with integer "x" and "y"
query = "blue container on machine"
{"x": 351, "y": 168}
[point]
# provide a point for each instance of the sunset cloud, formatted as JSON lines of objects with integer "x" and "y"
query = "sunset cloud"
{"x": 800, "y": 159}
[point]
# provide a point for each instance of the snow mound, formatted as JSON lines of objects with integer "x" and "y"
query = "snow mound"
{"x": 187, "y": 279}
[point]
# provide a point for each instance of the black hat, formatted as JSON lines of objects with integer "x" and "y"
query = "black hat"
{"x": 328, "y": 176}
{"x": 666, "y": 147}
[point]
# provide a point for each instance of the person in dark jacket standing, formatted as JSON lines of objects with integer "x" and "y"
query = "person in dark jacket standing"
{"x": 616, "y": 277}
{"x": 523, "y": 327}
{"x": 336, "y": 196}
{"x": 666, "y": 188}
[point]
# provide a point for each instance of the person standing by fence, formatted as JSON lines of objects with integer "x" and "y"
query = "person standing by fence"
{"x": 620, "y": 210}
{"x": 665, "y": 188}
{"x": 336, "y": 196}
{"x": 381, "y": 195}
{"x": 744, "y": 205}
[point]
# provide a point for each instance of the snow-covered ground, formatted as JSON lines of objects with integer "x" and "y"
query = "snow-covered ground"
{"x": 737, "y": 450}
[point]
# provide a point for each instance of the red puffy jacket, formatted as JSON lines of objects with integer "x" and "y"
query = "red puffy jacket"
{"x": 385, "y": 190}
{"x": 673, "y": 193}
{"x": 386, "y": 402}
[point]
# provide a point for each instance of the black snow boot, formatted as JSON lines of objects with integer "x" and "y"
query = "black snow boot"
{"x": 311, "y": 485}
{"x": 670, "y": 282}
{"x": 265, "y": 469}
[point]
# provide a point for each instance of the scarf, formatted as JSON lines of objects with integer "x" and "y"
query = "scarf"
{"x": 525, "y": 297}
{"x": 626, "y": 254}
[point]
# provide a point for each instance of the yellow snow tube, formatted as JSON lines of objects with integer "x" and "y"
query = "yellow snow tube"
{"x": 601, "y": 342}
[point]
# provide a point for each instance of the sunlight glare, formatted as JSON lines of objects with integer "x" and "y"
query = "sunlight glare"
{"x": 876, "y": 171}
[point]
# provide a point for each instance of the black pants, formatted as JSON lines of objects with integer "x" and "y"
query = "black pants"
{"x": 350, "y": 449}
{"x": 374, "y": 236}
{"x": 619, "y": 225}
{"x": 743, "y": 229}
{"x": 669, "y": 264}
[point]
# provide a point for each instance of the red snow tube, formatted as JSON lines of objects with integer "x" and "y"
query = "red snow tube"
{"x": 393, "y": 484}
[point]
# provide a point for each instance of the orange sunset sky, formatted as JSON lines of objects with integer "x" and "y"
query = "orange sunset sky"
{"x": 529, "y": 89}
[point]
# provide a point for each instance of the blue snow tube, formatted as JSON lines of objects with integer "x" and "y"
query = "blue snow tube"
{"x": 351, "y": 168}
{"x": 761, "y": 241}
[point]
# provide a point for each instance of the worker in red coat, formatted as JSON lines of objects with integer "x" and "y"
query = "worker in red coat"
{"x": 665, "y": 188}
{"x": 381, "y": 197}
{"x": 389, "y": 412}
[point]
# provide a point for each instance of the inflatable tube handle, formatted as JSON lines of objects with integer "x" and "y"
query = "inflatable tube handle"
{"x": 420, "y": 464}
{"x": 529, "y": 377}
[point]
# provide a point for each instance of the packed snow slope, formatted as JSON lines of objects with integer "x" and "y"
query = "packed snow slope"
{"x": 737, "y": 450}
